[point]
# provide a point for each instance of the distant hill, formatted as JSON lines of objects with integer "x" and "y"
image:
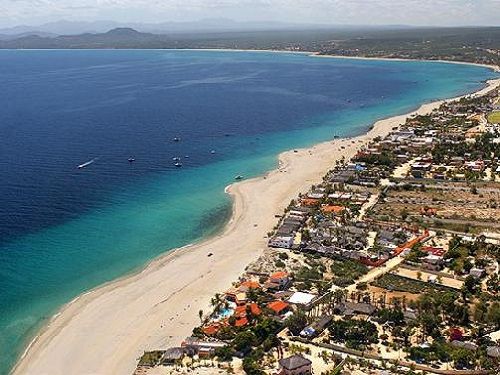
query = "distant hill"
{"x": 473, "y": 44}
{"x": 128, "y": 37}
{"x": 64, "y": 27}
{"x": 115, "y": 38}
{"x": 26, "y": 34}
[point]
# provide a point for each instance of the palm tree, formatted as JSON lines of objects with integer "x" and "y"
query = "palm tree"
{"x": 339, "y": 295}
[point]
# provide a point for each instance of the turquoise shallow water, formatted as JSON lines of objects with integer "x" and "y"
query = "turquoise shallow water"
{"x": 64, "y": 231}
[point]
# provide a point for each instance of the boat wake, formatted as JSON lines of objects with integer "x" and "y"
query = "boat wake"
{"x": 86, "y": 164}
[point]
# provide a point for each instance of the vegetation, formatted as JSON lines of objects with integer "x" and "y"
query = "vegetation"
{"x": 297, "y": 322}
{"x": 394, "y": 315}
{"x": 494, "y": 117}
{"x": 356, "y": 334}
{"x": 402, "y": 284}
{"x": 346, "y": 271}
{"x": 151, "y": 358}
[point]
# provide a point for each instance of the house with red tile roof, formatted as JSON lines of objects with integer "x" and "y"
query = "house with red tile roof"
{"x": 310, "y": 202}
{"x": 244, "y": 313}
{"x": 241, "y": 322}
{"x": 245, "y": 286}
{"x": 281, "y": 279}
{"x": 236, "y": 295}
{"x": 279, "y": 307}
{"x": 332, "y": 209}
{"x": 437, "y": 251}
{"x": 212, "y": 329}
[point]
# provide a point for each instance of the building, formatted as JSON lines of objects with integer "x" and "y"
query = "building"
{"x": 201, "y": 347}
{"x": 465, "y": 345}
{"x": 332, "y": 209}
{"x": 247, "y": 285}
{"x": 317, "y": 327}
{"x": 281, "y": 279}
{"x": 301, "y": 298}
{"x": 477, "y": 272}
{"x": 279, "y": 307}
{"x": 353, "y": 308}
{"x": 284, "y": 242}
{"x": 432, "y": 262}
{"x": 173, "y": 355}
{"x": 493, "y": 351}
{"x": 295, "y": 365}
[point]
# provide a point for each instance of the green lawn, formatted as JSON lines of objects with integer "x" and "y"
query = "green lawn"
{"x": 403, "y": 284}
{"x": 494, "y": 117}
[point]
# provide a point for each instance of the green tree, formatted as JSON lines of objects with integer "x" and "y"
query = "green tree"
{"x": 244, "y": 341}
{"x": 272, "y": 341}
{"x": 480, "y": 311}
{"x": 462, "y": 358}
{"x": 251, "y": 367}
{"x": 296, "y": 322}
{"x": 494, "y": 314}
{"x": 470, "y": 285}
{"x": 224, "y": 354}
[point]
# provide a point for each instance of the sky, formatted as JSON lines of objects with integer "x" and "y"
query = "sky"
{"x": 334, "y": 12}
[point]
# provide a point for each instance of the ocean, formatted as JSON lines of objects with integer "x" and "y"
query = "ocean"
{"x": 65, "y": 230}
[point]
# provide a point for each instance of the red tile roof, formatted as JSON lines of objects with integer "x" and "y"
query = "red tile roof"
{"x": 255, "y": 309}
{"x": 250, "y": 284}
{"x": 241, "y": 322}
{"x": 211, "y": 330}
{"x": 309, "y": 202}
{"x": 278, "y": 306}
{"x": 240, "y": 311}
{"x": 333, "y": 209}
{"x": 439, "y": 251}
{"x": 279, "y": 275}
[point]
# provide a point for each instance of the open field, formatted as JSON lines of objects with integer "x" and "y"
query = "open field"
{"x": 494, "y": 118}
{"x": 453, "y": 202}
{"x": 393, "y": 282}
{"x": 424, "y": 276}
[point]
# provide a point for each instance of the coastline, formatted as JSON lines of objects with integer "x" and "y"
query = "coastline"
{"x": 495, "y": 68}
{"x": 148, "y": 321}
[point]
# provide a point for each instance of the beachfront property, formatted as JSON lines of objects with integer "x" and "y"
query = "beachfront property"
{"x": 392, "y": 259}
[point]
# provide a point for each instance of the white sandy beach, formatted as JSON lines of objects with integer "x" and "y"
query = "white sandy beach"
{"x": 105, "y": 330}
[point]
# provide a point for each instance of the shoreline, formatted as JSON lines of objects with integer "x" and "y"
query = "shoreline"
{"x": 293, "y": 174}
{"x": 495, "y": 68}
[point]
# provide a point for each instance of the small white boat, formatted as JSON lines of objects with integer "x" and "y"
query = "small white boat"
{"x": 176, "y": 158}
{"x": 176, "y": 139}
{"x": 131, "y": 160}
{"x": 81, "y": 166}
{"x": 212, "y": 152}
{"x": 239, "y": 177}
{"x": 178, "y": 165}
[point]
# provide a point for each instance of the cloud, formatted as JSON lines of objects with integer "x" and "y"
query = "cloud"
{"x": 420, "y": 12}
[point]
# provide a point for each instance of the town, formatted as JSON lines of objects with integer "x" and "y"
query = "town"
{"x": 389, "y": 265}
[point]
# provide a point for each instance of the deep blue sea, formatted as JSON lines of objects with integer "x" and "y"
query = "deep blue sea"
{"x": 65, "y": 230}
